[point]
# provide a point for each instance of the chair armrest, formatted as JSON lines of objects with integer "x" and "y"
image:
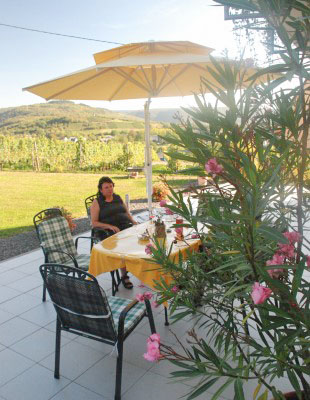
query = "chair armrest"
{"x": 63, "y": 252}
{"x": 83, "y": 237}
{"x": 121, "y": 321}
{"x": 106, "y": 231}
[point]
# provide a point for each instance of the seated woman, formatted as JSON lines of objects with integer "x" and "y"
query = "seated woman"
{"x": 109, "y": 212}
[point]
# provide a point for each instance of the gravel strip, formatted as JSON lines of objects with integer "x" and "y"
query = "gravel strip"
{"x": 24, "y": 242}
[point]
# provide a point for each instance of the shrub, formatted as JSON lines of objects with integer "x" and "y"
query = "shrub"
{"x": 68, "y": 215}
{"x": 160, "y": 191}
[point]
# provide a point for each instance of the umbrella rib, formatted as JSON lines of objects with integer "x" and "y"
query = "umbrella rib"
{"x": 163, "y": 78}
{"x": 199, "y": 67}
{"x": 146, "y": 78}
{"x": 154, "y": 76}
{"x": 173, "y": 78}
{"x": 120, "y": 86}
{"x": 78, "y": 84}
{"x": 134, "y": 81}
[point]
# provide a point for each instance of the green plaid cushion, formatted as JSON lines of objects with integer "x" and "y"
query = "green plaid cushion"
{"x": 55, "y": 234}
{"x": 77, "y": 300}
{"x": 82, "y": 260}
{"x": 117, "y": 305}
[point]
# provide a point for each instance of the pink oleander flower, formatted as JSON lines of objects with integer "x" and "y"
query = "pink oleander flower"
{"x": 168, "y": 211}
{"x": 286, "y": 250}
{"x": 163, "y": 203}
{"x": 175, "y": 289}
{"x": 275, "y": 273}
{"x": 308, "y": 261}
{"x": 292, "y": 237}
{"x": 148, "y": 295}
{"x": 148, "y": 248}
{"x": 179, "y": 231}
{"x": 195, "y": 236}
{"x": 153, "y": 342}
{"x": 277, "y": 259}
{"x": 155, "y": 337}
{"x": 153, "y": 353}
{"x": 260, "y": 293}
{"x": 212, "y": 167}
{"x": 155, "y": 304}
{"x": 140, "y": 297}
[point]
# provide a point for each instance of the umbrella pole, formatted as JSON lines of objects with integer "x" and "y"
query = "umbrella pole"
{"x": 148, "y": 155}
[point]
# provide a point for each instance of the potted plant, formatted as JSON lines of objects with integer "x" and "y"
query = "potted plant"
{"x": 68, "y": 216}
{"x": 251, "y": 277}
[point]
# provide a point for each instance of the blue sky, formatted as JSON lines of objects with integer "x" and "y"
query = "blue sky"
{"x": 28, "y": 57}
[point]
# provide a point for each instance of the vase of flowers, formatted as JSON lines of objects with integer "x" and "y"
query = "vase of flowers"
{"x": 160, "y": 232}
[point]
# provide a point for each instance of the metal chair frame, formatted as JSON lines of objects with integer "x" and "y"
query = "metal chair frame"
{"x": 67, "y": 315}
{"x": 42, "y": 216}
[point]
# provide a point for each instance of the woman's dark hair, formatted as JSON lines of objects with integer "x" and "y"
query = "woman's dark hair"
{"x": 104, "y": 179}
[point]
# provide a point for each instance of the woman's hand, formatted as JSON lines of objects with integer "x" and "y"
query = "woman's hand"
{"x": 113, "y": 228}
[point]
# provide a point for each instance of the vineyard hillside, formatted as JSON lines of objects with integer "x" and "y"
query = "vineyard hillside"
{"x": 60, "y": 119}
{"x": 164, "y": 115}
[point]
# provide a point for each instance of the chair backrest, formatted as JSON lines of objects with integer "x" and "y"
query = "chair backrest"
{"x": 54, "y": 234}
{"x": 43, "y": 215}
{"x": 88, "y": 202}
{"x": 81, "y": 304}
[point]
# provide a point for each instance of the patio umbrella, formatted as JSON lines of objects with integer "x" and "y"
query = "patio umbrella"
{"x": 136, "y": 70}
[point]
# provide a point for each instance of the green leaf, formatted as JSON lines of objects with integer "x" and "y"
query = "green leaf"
{"x": 222, "y": 388}
{"x": 202, "y": 388}
{"x": 239, "y": 394}
{"x": 294, "y": 381}
{"x": 247, "y": 316}
{"x": 256, "y": 391}
{"x": 297, "y": 278}
{"x": 271, "y": 233}
{"x": 264, "y": 396}
{"x": 185, "y": 374}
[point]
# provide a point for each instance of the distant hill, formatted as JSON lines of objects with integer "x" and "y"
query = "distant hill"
{"x": 65, "y": 118}
{"x": 166, "y": 115}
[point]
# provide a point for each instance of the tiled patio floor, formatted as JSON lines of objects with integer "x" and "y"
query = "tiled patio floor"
{"x": 87, "y": 368}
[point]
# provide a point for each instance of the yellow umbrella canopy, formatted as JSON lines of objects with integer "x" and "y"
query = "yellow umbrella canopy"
{"x": 139, "y": 70}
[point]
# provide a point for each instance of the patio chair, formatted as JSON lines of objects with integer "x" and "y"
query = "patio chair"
{"x": 83, "y": 308}
{"x": 56, "y": 241}
{"x": 98, "y": 234}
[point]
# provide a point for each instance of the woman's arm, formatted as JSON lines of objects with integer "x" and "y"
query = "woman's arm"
{"x": 94, "y": 213}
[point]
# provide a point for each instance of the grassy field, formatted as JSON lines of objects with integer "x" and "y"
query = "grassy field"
{"x": 23, "y": 194}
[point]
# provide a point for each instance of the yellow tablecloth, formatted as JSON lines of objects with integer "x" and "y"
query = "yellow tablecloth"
{"x": 124, "y": 249}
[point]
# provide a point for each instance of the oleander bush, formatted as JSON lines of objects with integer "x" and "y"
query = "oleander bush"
{"x": 248, "y": 287}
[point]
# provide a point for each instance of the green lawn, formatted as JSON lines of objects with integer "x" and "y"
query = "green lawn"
{"x": 23, "y": 194}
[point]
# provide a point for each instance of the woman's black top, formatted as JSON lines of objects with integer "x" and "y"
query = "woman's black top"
{"x": 113, "y": 212}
